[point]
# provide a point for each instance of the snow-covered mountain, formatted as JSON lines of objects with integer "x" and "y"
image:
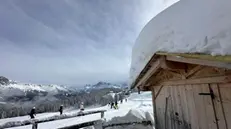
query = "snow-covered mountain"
{"x": 12, "y": 91}
{"x": 102, "y": 85}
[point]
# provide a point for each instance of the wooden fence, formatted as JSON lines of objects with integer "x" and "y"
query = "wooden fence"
{"x": 99, "y": 124}
{"x": 35, "y": 122}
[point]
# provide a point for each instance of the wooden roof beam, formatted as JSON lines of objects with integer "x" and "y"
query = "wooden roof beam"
{"x": 207, "y": 80}
{"x": 199, "y": 61}
{"x": 170, "y": 65}
{"x": 154, "y": 67}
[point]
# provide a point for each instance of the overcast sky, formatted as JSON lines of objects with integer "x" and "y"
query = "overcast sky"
{"x": 71, "y": 42}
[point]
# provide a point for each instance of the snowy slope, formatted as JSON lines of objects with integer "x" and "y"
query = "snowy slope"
{"x": 133, "y": 106}
{"x": 189, "y": 26}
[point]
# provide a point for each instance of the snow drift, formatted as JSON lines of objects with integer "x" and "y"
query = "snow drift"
{"x": 134, "y": 115}
{"x": 189, "y": 26}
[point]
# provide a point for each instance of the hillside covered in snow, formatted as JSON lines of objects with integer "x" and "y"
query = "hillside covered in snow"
{"x": 138, "y": 108}
{"x": 18, "y": 98}
{"x": 188, "y": 26}
{"x": 12, "y": 89}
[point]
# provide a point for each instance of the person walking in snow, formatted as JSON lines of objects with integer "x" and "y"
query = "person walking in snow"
{"x": 112, "y": 105}
{"x": 116, "y": 105}
{"x": 81, "y": 107}
{"x": 32, "y": 113}
{"x": 138, "y": 90}
{"x": 61, "y": 109}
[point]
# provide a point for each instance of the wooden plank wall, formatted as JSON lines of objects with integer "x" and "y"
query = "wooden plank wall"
{"x": 181, "y": 107}
{"x": 223, "y": 104}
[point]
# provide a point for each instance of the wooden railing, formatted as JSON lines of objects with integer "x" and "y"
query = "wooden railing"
{"x": 95, "y": 123}
{"x": 35, "y": 122}
{"x": 99, "y": 124}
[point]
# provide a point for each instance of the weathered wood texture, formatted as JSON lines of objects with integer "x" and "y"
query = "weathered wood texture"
{"x": 223, "y": 102}
{"x": 191, "y": 106}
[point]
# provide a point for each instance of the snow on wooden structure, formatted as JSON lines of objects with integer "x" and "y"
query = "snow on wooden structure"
{"x": 183, "y": 56}
{"x": 189, "y": 91}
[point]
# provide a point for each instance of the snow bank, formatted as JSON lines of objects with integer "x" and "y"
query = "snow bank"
{"x": 134, "y": 115}
{"x": 189, "y": 26}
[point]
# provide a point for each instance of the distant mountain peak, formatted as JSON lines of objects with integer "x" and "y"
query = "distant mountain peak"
{"x": 102, "y": 85}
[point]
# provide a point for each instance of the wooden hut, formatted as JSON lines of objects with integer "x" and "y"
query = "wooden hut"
{"x": 190, "y": 91}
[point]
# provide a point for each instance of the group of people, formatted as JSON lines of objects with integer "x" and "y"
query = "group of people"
{"x": 33, "y": 112}
{"x": 115, "y": 104}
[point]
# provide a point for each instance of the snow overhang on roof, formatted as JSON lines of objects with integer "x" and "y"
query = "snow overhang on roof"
{"x": 189, "y": 26}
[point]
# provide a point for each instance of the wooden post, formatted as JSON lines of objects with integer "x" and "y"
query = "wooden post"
{"x": 98, "y": 125}
{"x": 154, "y": 107}
{"x": 35, "y": 125}
{"x": 165, "y": 113}
{"x": 102, "y": 114}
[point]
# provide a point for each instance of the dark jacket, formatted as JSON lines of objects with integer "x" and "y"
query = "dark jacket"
{"x": 61, "y": 109}
{"x": 32, "y": 113}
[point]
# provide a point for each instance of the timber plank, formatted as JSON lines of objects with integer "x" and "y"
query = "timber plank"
{"x": 159, "y": 108}
{"x": 154, "y": 106}
{"x": 193, "y": 71}
{"x": 179, "y": 108}
{"x": 207, "y": 80}
{"x": 155, "y": 66}
{"x": 199, "y": 62}
{"x": 193, "y": 109}
{"x": 225, "y": 91}
{"x": 200, "y": 105}
{"x": 166, "y": 108}
{"x": 209, "y": 108}
{"x": 218, "y": 107}
{"x": 187, "y": 97}
{"x": 174, "y": 108}
{"x": 164, "y": 96}
{"x": 170, "y": 109}
{"x": 185, "y": 115}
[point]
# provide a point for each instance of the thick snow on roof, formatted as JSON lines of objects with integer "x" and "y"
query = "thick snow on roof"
{"x": 189, "y": 26}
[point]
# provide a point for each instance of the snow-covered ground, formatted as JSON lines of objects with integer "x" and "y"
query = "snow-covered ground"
{"x": 139, "y": 103}
{"x": 188, "y": 26}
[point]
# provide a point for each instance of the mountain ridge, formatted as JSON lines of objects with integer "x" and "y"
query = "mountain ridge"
{"x": 16, "y": 91}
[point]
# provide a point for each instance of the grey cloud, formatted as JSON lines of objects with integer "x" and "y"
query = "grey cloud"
{"x": 69, "y": 41}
